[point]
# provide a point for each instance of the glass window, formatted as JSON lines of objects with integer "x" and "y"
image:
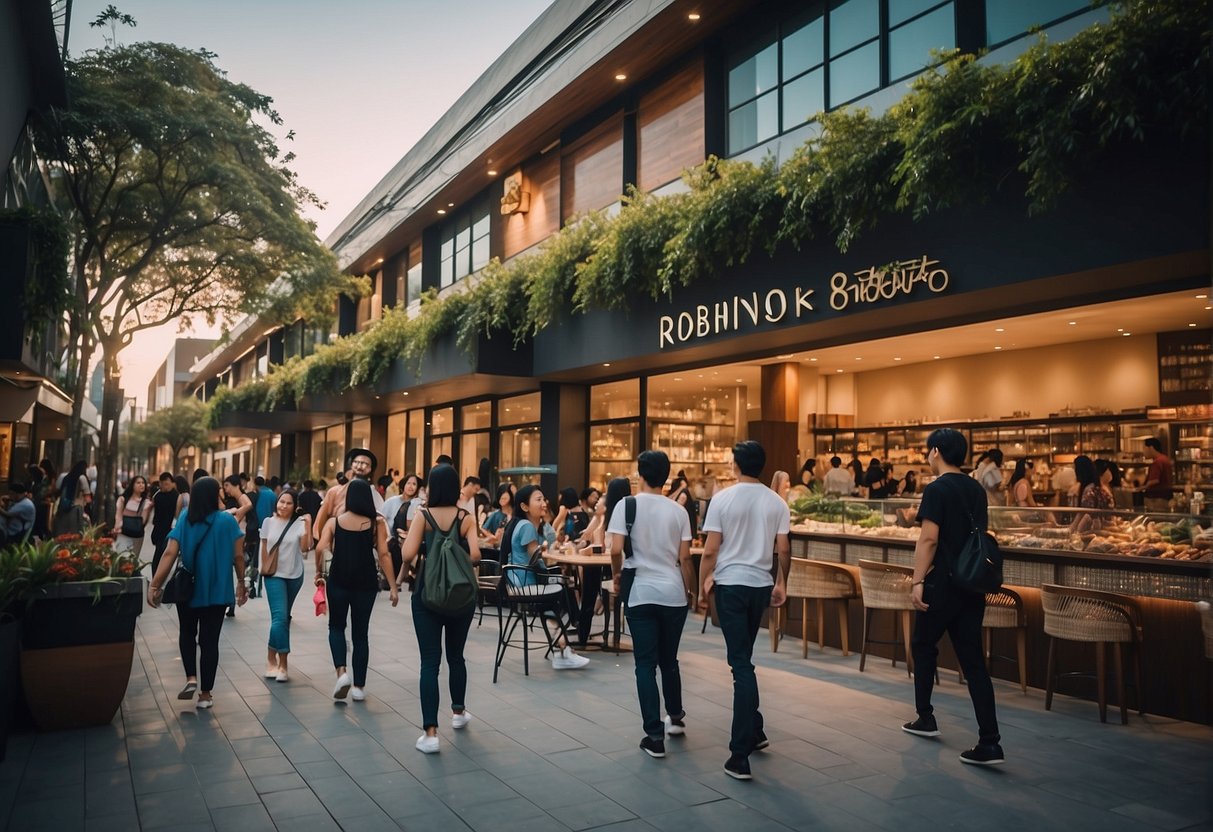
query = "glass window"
{"x": 440, "y": 445}
{"x": 615, "y": 400}
{"x": 473, "y": 447}
{"x": 754, "y": 122}
{"x": 480, "y": 253}
{"x": 851, "y": 23}
{"x": 397, "y": 432}
{"x": 1007, "y": 19}
{"x": 803, "y": 99}
{"x": 803, "y": 49}
{"x": 755, "y": 75}
{"x": 518, "y": 448}
{"x": 479, "y": 415}
{"x": 902, "y": 10}
{"x": 412, "y": 449}
{"x": 518, "y": 410}
{"x": 613, "y": 450}
{"x": 360, "y": 435}
{"x": 413, "y": 291}
{"x": 854, "y": 74}
{"x": 442, "y": 420}
{"x": 910, "y": 45}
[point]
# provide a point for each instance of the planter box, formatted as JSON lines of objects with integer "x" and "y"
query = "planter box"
{"x": 69, "y": 615}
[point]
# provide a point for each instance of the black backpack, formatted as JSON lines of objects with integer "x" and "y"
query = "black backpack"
{"x": 977, "y": 567}
{"x": 449, "y": 584}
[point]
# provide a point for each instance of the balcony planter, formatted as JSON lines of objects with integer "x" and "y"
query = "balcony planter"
{"x": 77, "y": 646}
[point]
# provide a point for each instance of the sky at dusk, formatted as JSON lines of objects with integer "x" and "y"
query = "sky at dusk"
{"x": 359, "y": 82}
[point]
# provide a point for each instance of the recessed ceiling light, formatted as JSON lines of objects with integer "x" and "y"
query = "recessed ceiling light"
{"x": 788, "y": 355}
{"x": 898, "y": 358}
{"x": 1191, "y": 324}
{"x": 450, "y": 205}
{"x": 936, "y": 357}
{"x": 1127, "y": 334}
{"x": 998, "y": 348}
{"x": 406, "y": 392}
{"x": 999, "y": 329}
{"x": 619, "y": 76}
{"x": 1073, "y": 323}
{"x": 441, "y": 210}
{"x": 812, "y": 359}
{"x": 1209, "y": 307}
{"x": 1120, "y": 330}
{"x": 677, "y": 379}
{"x": 857, "y": 358}
{"x": 693, "y": 16}
{"x": 838, "y": 371}
{"x": 607, "y": 364}
{"x": 492, "y": 173}
{"x": 1201, "y": 297}
{"x": 380, "y": 260}
{"x": 739, "y": 381}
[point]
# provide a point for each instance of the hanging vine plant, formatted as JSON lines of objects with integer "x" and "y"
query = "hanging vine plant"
{"x": 48, "y": 287}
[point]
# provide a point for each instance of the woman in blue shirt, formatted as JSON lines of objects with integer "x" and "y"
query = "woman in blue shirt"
{"x": 210, "y": 544}
{"x": 499, "y": 519}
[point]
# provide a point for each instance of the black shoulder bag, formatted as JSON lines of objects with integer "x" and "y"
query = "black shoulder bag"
{"x": 179, "y": 589}
{"x": 628, "y": 575}
{"x": 977, "y": 567}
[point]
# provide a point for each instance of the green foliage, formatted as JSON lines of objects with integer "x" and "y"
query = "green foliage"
{"x": 179, "y": 426}
{"x": 965, "y": 132}
{"x": 48, "y": 287}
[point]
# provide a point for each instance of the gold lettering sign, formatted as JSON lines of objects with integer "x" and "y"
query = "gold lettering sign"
{"x": 867, "y": 286}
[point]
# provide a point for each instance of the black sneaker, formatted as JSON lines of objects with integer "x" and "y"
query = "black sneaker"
{"x": 924, "y": 726}
{"x": 762, "y": 741}
{"x": 652, "y": 747}
{"x": 983, "y": 755}
{"x": 676, "y": 726}
{"x": 738, "y": 768}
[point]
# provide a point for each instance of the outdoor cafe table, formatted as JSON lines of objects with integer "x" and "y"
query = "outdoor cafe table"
{"x": 579, "y": 561}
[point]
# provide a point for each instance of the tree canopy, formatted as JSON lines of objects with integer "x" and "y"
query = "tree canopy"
{"x": 179, "y": 426}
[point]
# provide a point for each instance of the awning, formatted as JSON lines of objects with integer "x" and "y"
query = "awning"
{"x": 17, "y": 401}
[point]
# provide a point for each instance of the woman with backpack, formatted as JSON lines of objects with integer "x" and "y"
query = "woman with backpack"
{"x": 437, "y": 523}
{"x": 353, "y": 538}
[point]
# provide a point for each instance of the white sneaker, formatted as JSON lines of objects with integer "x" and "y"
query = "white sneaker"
{"x": 271, "y": 671}
{"x": 283, "y": 677}
{"x": 566, "y": 659}
{"x": 460, "y": 720}
{"x": 427, "y": 744}
{"x": 675, "y": 729}
{"x": 204, "y": 704}
{"x": 358, "y": 694}
{"x": 342, "y": 687}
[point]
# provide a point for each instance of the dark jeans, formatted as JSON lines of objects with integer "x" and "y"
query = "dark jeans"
{"x": 656, "y": 631}
{"x": 160, "y": 546}
{"x": 358, "y": 603}
{"x": 959, "y": 614}
{"x": 591, "y": 586}
{"x": 199, "y": 632}
{"x": 740, "y": 610}
{"x": 429, "y": 627}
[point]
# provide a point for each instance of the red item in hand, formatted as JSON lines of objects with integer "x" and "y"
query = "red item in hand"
{"x": 321, "y": 600}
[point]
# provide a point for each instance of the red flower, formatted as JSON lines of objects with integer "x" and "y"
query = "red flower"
{"x": 63, "y": 554}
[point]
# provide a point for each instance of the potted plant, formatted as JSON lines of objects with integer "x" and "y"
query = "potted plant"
{"x": 77, "y": 600}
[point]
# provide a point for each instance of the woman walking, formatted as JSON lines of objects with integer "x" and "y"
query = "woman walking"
{"x": 439, "y": 516}
{"x": 210, "y": 544}
{"x": 353, "y": 538}
{"x": 74, "y": 492}
{"x": 285, "y": 536}
{"x": 131, "y": 516}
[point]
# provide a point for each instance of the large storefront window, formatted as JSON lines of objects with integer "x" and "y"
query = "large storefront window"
{"x": 475, "y": 422}
{"x": 328, "y": 452}
{"x": 413, "y": 457}
{"x": 442, "y": 429}
{"x": 360, "y": 436}
{"x": 614, "y": 430}
{"x": 518, "y": 440}
{"x": 1008, "y": 19}
{"x": 697, "y": 416}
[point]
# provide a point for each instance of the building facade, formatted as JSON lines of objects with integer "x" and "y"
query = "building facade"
{"x": 1081, "y": 330}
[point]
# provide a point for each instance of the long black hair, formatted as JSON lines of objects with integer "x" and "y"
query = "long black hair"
{"x": 442, "y": 488}
{"x": 130, "y": 489}
{"x": 358, "y": 499}
{"x": 1084, "y": 469}
{"x": 1021, "y": 471}
{"x": 507, "y": 538}
{"x": 204, "y": 499}
{"x": 71, "y": 481}
{"x": 617, "y": 489}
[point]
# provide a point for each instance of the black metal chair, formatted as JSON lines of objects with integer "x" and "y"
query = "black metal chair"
{"x": 532, "y": 594}
{"x": 489, "y": 580}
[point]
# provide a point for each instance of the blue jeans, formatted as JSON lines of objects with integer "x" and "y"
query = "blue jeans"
{"x": 740, "y": 610}
{"x": 281, "y": 592}
{"x": 656, "y": 632}
{"x": 358, "y": 603}
{"x": 429, "y": 627}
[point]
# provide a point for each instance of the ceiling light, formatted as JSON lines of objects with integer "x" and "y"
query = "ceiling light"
{"x": 812, "y": 359}
{"x": 936, "y": 357}
{"x": 441, "y": 210}
{"x": 857, "y": 358}
{"x": 693, "y": 16}
{"x": 1191, "y": 324}
{"x": 999, "y": 329}
{"x": 377, "y": 262}
{"x": 998, "y": 348}
{"x": 1120, "y": 330}
{"x": 1209, "y": 307}
{"x": 619, "y": 76}
{"x": 607, "y": 364}
{"x": 1073, "y": 323}
{"x": 450, "y": 205}
{"x": 739, "y": 381}
{"x": 492, "y": 173}
{"x": 788, "y": 355}
{"x": 677, "y": 379}
{"x": 897, "y": 359}
{"x": 1201, "y": 297}
{"x": 1127, "y": 334}
{"x": 838, "y": 371}
{"x": 406, "y": 392}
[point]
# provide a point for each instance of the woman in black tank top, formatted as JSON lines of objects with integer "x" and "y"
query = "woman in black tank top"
{"x": 354, "y": 539}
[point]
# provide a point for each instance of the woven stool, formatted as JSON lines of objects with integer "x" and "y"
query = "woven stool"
{"x": 1004, "y": 611}
{"x": 812, "y": 580}
{"x": 887, "y": 586}
{"x": 1100, "y": 618}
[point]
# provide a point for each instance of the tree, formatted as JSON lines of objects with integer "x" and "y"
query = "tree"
{"x": 180, "y": 426}
{"x": 183, "y": 205}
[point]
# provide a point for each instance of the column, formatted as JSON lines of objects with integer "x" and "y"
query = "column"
{"x": 777, "y": 430}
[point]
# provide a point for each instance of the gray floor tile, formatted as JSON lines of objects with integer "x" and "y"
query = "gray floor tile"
{"x": 239, "y": 792}
{"x": 252, "y": 818}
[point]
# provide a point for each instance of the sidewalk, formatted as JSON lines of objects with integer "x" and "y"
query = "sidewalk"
{"x": 558, "y": 750}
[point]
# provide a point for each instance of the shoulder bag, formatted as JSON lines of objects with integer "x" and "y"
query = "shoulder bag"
{"x": 977, "y": 567}
{"x": 270, "y": 567}
{"x": 132, "y": 524}
{"x": 179, "y": 589}
{"x": 627, "y": 576}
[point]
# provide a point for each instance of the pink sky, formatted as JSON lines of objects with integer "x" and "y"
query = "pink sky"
{"x": 359, "y": 82}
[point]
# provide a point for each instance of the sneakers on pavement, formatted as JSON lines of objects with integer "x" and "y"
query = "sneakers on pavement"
{"x": 283, "y": 676}
{"x": 271, "y": 671}
{"x": 342, "y": 688}
{"x": 761, "y": 741}
{"x": 675, "y": 727}
{"x": 983, "y": 755}
{"x": 461, "y": 719}
{"x": 738, "y": 768}
{"x": 924, "y": 726}
{"x": 204, "y": 704}
{"x": 566, "y": 659}
{"x": 652, "y": 747}
{"x": 358, "y": 694}
{"x": 427, "y": 744}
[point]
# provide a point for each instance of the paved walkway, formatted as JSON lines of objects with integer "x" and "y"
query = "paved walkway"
{"x": 558, "y": 750}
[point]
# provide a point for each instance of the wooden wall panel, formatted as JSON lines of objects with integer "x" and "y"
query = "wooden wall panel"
{"x": 521, "y": 231}
{"x": 670, "y": 128}
{"x": 592, "y": 171}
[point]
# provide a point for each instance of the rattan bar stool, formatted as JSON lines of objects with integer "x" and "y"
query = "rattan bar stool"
{"x": 1004, "y": 611}
{"x": 887, "y": 586}
{"x": 1100, "y": 618}
{"x": 813, "y": 580}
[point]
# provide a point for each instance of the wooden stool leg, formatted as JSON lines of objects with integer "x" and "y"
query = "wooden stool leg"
{"x": 905, "y": 638}
{"x": 1141, "y": 696}
{"x": 1021, "y": 639}
{"x": 1049, "y": 677}
{"x": 804, "y": 628}
{"x": 1101, "y": 672}
{"x": 821, "y": 623}
{"x": 867, "y": 627}
{"x": 844, "y": 625}
{"x": 1120, "y": 684}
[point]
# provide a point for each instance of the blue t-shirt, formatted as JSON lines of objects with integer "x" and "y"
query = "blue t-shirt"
{"x": 524, "y": 535}
{"x": 495, "y": 521}
{"x": 266, "y": 502}
{"x": 209, "y": 558}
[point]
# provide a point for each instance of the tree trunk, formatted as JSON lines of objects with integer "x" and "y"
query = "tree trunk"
{"x": 79, "y": 340}
{"x": 111, "y": 408}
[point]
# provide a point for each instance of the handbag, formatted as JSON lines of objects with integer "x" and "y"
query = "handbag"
{"x": 321, "y": 600}
{"x": 627, "y": 575}
{"x": 269, "y": 566}
{"x": 179, "y": 589}
{"x": 132, "y": 524}
{"x": 977, "y": 567}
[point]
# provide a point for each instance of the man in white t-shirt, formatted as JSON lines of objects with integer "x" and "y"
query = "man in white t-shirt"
{"x": 744, "y": 525}
{"x": 657, "y": 601}
{"x": 838, "y": 480}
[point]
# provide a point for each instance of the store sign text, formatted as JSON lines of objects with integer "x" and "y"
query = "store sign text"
{"x": 867, "y": 286}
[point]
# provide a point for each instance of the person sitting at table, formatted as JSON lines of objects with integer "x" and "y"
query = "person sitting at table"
{"x": 592, "y": 536}
{"x": 495, "y": 523}
{"x": 528, "y": 536}
{"x": 593, "y": 576}
{"x": 570, "y": 528}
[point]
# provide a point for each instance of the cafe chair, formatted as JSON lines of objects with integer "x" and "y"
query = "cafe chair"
{"x": 531, "y": 594}
{"x": 811, "y": 580}
{"x": 1099, "y": 618}
{"x": 488, "y": 580}
{"x": 887, "y": 586}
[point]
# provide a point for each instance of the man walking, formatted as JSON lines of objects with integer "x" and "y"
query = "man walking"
{"x": 164, "y": 515}
{"x": 745, "y": 524}
{"x": 947, "y": 504}
{"x": 656, "y": 604}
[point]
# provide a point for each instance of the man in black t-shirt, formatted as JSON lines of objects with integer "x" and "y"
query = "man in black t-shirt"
{"x": 944, "y": 513}
{"x": 310, "y": 499}
{"x": 164, "y": 514}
